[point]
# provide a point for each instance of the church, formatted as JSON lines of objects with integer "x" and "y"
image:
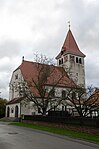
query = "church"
{"x": 70, "y": 65}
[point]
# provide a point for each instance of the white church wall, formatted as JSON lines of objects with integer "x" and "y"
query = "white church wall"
{"x": 27, "y": 108}
{"x": 12, "y": 109}
{"x": 13, "y": 86}
{"x": 75, "y": 70}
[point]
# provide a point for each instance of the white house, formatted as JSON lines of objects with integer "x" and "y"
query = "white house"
{"x": 70, "y": 57}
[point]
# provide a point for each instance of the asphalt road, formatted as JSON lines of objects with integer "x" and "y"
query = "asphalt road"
{"x": 13, "y": 137}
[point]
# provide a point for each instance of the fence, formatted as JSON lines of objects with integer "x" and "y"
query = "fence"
{"x": 65, "y": 120}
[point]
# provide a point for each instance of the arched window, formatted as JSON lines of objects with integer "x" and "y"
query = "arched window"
{"x": 39, "y": 110}
{"x": 12, "y": 110}
{"x": 59, "y": 62}
{"x": 16, "y": 111}
{"x": 74, "y": 95}
{"x": 52, "y": 93}
{"x": 62, "y": 108}
{"x": 76, "y": 59}
{"x": 80, "y": 61}
{"x": 8, "y": 111}
{"x": 62, "y": 61}
{"x": 16, "y": 76}
{"x": 63, "y": 94}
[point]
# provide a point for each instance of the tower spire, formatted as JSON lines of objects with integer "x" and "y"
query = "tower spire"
{"x": 72, "y": 59}
{"x": 69, "y": 24}
{"x": 22, "y": 58}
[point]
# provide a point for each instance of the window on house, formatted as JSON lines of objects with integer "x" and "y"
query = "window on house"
{"x": 63, "y": 94}
{"x": 80, "y": 61}
{"x": 12, "y": 110}
{"x": 65, "y": 108}
{"x": 76, "y": 59}
{"x": 62, "y": 108}
{"x": 62, "y": 61}
{"x": 52, "y": 93}
{"x": 76, "y": 74}
{"x": 16, "y": 76}
{"x": 66, "y": 58}
{"x": 39, "y": 110}
{"x": 74, "y": 95}
{"x": 59, "y": 62}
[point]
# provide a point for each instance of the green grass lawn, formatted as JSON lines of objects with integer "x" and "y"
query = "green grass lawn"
{"x": 61, "y": 131}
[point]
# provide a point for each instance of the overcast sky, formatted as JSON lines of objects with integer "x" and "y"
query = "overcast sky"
{"x": 30, "y": 26}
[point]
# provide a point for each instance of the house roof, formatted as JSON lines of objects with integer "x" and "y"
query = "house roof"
{"x": 70, "y": 46}
{"x": 15, "y": 100}
{"x": 57, "y": 75}
{"x": 94, "y": 98}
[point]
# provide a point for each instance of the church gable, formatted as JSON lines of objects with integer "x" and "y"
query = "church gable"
{"x": 15, "y": 79}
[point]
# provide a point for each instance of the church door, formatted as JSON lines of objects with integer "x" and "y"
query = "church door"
{"x": 16, "y": 111}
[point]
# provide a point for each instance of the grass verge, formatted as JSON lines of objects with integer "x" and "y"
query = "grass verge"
{"x": 61, "y": 131}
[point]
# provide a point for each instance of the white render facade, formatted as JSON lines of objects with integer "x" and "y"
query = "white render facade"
{"x": 17, "y": 109}
{"x": 23, "y": 108}
{"x": 74, "y": 66}
{"x": 70, "y": 58}
{"x": 13, "y": 85}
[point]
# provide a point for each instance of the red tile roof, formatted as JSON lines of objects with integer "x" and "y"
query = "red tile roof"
{"x": 30, "y": 70}
{"x": 94, "y": 98}
{"x": 15, "y": 100}
{"x": 70, "y": 46}
{"x": 58, "y": 75}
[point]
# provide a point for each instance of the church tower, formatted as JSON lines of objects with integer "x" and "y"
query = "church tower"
{"x": 72, "y": 59}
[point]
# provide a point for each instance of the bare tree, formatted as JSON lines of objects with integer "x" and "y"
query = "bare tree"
{"x": 41, "y": 89}
{"x": 85, "y": 101}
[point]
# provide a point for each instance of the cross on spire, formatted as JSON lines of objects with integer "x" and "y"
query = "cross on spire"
{"x": 69, "y": 24}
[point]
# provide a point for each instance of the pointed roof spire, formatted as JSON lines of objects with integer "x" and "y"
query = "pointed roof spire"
{"x": 70, "y": 46}
{"x": 22, "y": 58}
{"x": 69, "y": 24}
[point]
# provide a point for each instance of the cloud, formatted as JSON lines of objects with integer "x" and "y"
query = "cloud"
{"x": 9, "y": 48}
{"x": 27, "y": 27}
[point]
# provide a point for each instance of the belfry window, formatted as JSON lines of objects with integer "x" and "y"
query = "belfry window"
{"x": 62, "y": 61}
{"x": 66, "y": 58}
{"x": 59, "y": 62}
{"x": 76, "y": 59}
